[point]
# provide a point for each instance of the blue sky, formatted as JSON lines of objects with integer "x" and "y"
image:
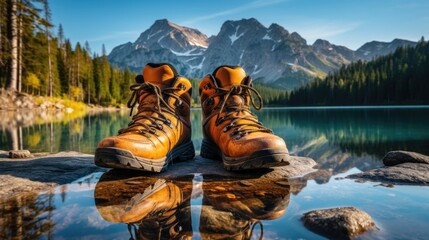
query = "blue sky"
{"x": 342, "y": 22}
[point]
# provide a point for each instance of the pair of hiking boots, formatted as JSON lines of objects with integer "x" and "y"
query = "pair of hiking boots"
{"x": 160, "y": 131}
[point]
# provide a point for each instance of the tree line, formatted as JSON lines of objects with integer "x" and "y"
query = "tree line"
{"x": 401, "y": 77}
{"x": 36, "y": 61}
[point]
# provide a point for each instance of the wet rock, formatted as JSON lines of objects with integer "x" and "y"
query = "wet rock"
{"x": 11, "y": 186}
{"x": 344, "y": 222}
{"x": 397, "y": 157}
{"x": 405, "y": 173}
{"x": 40, "y": 173}
{"x": 65, "y": 167}
{"x": 20, "y": 154}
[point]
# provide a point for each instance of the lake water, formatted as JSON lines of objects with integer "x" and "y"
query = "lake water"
{"x": 341, "y": 140}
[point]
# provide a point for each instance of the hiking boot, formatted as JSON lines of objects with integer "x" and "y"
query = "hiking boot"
{"x": 160, "y": 131}
{"x": 231, "y": 131}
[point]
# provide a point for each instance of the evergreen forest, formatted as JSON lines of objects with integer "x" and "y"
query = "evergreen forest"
{"x": 399, "y": 78}
{"x": 36, "y": 60}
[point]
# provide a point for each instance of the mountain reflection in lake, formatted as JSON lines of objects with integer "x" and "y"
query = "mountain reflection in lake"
{"x": 338, "y": 139}
{"x": 126, "y": 205}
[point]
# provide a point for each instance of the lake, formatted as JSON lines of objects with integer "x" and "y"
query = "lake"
{"x": 341, "y": 140}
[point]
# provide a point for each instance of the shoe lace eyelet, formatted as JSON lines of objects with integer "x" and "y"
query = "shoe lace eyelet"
{"x": 181, "y": 86}
{"x": 210, "y": 101}
{"x": 241, "y": 135}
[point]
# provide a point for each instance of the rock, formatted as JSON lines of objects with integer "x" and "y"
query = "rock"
{"x": 343, "y": 222}
{"x": 11, "y": 186}
{"x": 58, "y": 106}
{"x": 60, "y": 168}
{"x": 405, "y": 173}
{"x": 397, "y": 157}
{"x": 65, "y": 167}
{"x": 20, "y": 154}
{"x": 298, "y": 166}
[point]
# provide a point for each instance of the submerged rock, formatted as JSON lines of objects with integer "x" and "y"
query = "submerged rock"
{"x": 405, "y": 173}
{"x": 397, "y": 157}
{"x": 402, "y": 167}
{"x": 343, "y": 222}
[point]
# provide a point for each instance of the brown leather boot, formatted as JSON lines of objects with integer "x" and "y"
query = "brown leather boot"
{"x": 231, "y": 131}
{"x": 160, "y": 131}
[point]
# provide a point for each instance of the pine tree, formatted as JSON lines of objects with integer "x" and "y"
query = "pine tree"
{"x": 398, "y": 78}
{"x": 13, "y": 38}
{"x": 47, "y": 25}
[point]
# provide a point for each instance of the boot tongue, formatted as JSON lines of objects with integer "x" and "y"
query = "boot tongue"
{"x": 161, "y": 74}
{"x": 229, "y": 76}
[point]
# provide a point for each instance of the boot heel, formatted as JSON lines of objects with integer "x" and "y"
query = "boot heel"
{"x": 210, "y": 150}
{"x": 185, "y": 152}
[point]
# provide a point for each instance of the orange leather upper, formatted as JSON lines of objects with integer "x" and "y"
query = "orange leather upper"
{"x": 161, "y": 75}
{"x": 161, "y": 141}
{"x": 221, "y": 134}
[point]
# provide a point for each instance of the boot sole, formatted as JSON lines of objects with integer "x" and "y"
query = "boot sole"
{"x": 111, "y": 157}
{"x": 264, "y": 158}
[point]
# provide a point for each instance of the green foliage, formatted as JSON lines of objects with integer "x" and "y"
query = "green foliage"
{"x": 272, "y": 96}
{"x": 75, "y": 74}
{"x": 32, "y": 81}
{"x": 398, "y": 78}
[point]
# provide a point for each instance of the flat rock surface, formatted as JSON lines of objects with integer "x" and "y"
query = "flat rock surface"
{"x": 405, "y": 173}
{"x": 11, "y": 186}
{"x": 397, "y": 157}
{"x": 297, "y": 166}
{"x": 42, "y": 172}
{"x": 343, "y": 222}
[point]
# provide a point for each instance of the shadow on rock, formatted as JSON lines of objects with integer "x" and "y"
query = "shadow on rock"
{"x": 206, "y": 167}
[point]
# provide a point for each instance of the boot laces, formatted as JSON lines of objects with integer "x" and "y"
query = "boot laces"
{"x": 161, "y": 107}
{"x": 232, "y": 113}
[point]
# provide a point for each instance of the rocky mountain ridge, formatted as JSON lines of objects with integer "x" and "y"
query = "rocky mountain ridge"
{"x": 272, "y": 55}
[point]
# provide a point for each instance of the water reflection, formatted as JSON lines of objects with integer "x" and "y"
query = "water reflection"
{"x": 27, "y": 217}
{"x": 156, "y": 208}
{"x": 338, "y": 139}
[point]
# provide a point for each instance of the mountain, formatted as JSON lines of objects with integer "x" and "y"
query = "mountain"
{"x": 374, "y": 49}
{"x": 164, "y": 41}
{"x": 272, "y": 55}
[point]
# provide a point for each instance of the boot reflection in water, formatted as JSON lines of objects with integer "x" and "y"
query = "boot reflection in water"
{"x": 155, "y": 208}
{"x": 234, "y": 209}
